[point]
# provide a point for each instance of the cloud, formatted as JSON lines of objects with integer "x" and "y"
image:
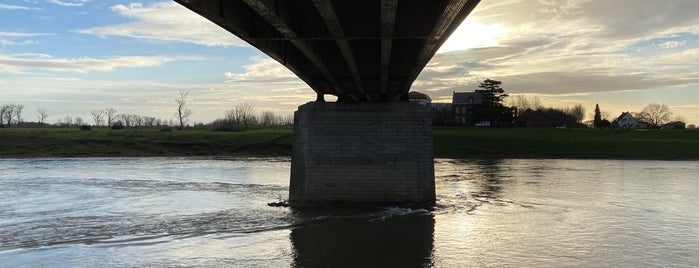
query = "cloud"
{"x": 18, "y": 34}
{"x": 5, "y": 42}
{"x": 13, "y": 7}
{"x": 267, "y": 84}
{"x": 671, "y": 44}
{"x": 20, "y": 62}
{"x": 74, "y": 3}
{"x": 165, "y": 22}
{"x": 264, "y": 70}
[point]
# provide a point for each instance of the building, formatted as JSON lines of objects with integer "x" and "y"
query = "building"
{"x": 628, "y": 121}
{"x": 463, "y": 105}
{"x": 675, "y": 125}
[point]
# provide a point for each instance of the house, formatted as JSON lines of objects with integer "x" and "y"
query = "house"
{"x": 674, "y": 125}
{"x": 441, "y": 114}
{"x": 628, "y": 121}
{"x": 462, "y": 106}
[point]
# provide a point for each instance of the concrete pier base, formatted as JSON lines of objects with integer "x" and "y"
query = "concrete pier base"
{"x": 362, "y": 153}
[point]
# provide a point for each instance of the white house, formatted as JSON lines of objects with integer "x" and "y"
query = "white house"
{"x": 627, "y": 121}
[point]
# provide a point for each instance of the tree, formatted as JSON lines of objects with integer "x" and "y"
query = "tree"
{"x": 523, "y": 103}
{"x": 68, "y": 121}
{"x": 111, "y": 115}
{"x": 655, "y": 114}
{"x": 18, "y": 114}
{"x": 491, "y": 107}
{"x": 267, "y": 119}
{"x": 78, "y": 120}
{"x": 183, "y": 112}
{"x": 9, "y": 113}
{"x": 3, "y": 110}
{"x": 42, "y": 114}
{"x": 598, "y": 116}
{"x": 578, "y": 111}
{"x": 98, "y": 117}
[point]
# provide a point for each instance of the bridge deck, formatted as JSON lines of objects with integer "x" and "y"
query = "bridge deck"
{"x": 358, "y": 50}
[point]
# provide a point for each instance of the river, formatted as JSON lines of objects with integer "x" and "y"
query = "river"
{"x": 212, "y": 212}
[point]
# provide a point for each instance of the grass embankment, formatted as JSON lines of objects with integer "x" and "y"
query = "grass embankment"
{"x": 448, "y": 142}
{"x": 566, "y": 143}
{"x": 41, "y": 142}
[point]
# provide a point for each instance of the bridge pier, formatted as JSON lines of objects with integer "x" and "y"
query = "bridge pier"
{"x": 362, "y": 153}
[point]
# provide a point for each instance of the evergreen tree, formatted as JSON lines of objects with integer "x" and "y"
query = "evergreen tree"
{"x": 598, "y": 116}
{"x": 491, "y": 107}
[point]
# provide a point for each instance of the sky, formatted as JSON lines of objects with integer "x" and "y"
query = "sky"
{"x": 71, "y": 57}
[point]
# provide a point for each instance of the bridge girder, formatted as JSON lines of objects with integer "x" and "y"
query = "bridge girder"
{"x": 358, "y": 50}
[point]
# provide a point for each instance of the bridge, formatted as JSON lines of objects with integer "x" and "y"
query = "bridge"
{"x": 372, "y": 145}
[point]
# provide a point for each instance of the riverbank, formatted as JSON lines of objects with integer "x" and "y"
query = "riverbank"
{"x": 488, "y": 143}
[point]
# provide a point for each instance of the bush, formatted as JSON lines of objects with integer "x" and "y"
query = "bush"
{"x": 85, "y": 127}
{"x": 118, "y": 125}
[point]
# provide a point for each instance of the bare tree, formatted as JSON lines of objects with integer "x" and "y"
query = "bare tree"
{"x": 18, "y": 114}
{"x": 68, "y": 121}
{"x": 523, "y": 102}
{"x": 267, "y": 119}
{"x": 656, "y": 114}
{"x": 3, "y": 109}
{"x": 42, "y": 114}
{"x": 183, "y": 112}
{"x": 578, "y": 111}
{"x": 78, "y": 120}
{"x": 111, "y": 115}
{"x": 9, "y": 113}
{"x": 98, "y": 117}
{"x": 127, "y": 119}
{"x": 287, "y": 120}
{"x": 138, "y": 120}
{"x": 244, "y": 115}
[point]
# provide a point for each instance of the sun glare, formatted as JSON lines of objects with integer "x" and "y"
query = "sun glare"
{"x": 471, "y": 34}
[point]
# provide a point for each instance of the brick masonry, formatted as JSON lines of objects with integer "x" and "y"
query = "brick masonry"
{"x": 362, "y": 152}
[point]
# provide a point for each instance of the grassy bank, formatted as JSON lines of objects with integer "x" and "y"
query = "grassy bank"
{"x": 448, "y": 142}
{"x": 41, "y": 142}
{"x": 566, "y": 143}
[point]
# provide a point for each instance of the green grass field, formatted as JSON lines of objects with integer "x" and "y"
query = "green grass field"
{"x": 448, "y": 142}
{"x": 39, "y": 142}
{"x": 566, "y": 143}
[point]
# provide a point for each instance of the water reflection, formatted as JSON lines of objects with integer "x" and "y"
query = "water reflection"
{"x": 490, "y": 185}
{"x": 393, "y": 241}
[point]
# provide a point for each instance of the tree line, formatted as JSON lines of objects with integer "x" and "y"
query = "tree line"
{"x": 241, "y": 116}
{"x": 502, "y": 109}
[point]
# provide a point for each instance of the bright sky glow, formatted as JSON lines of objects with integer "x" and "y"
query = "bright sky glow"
{"x": 462, "y": 38}
{"x": 74, "y": 56}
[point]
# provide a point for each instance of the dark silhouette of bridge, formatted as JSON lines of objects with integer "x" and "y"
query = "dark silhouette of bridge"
{"x": 372, "y": 145}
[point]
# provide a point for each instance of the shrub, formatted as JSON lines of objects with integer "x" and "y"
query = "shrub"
{"x": 118, "y": 125}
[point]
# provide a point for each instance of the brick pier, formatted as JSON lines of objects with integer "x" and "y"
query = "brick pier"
{"x": 362, "y": 152}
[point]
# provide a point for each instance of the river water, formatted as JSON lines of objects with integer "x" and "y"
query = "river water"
{"x": 212, "y": 212}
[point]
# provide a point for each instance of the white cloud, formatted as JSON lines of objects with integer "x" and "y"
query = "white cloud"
{"x": 264, "y": 70}
{"x": 13, "y": 7}
{"x": 19, "y": 34}
{"x": 166, "y": 21}
{"x": 20, "y": 62}
{"x": 5, "y": 42}
{"x": 671, "y": 44}
{"x": 73, "y": 3}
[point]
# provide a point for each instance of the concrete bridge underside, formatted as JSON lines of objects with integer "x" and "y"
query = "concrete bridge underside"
{"x": 372, "y": 145}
